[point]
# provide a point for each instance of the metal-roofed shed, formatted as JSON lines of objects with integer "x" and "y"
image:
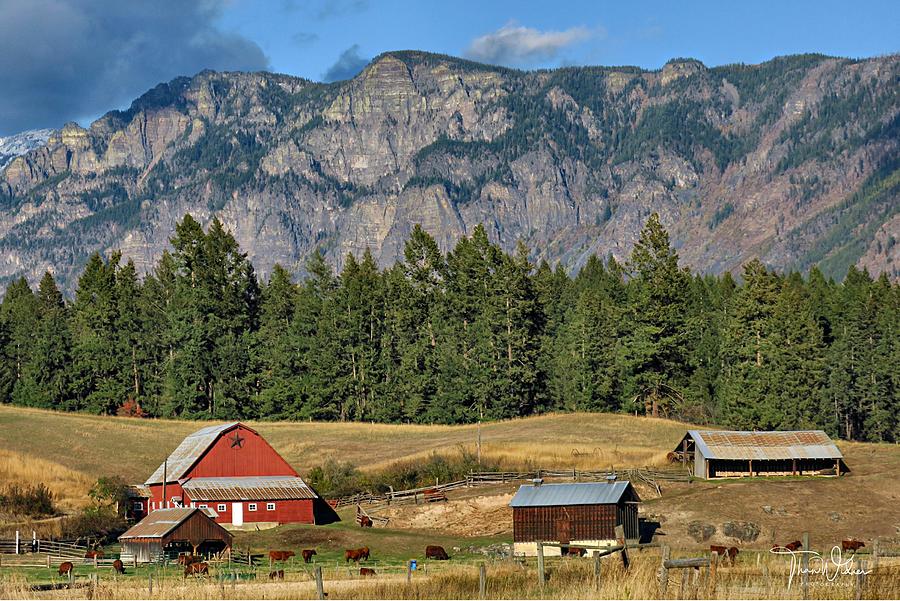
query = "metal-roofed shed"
{"x": 572, "y": 515}
{"x": 730, "y": 454}
{"x": 171, "y": 531}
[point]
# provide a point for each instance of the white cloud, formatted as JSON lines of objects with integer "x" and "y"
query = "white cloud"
{"x": 515, "y": 44}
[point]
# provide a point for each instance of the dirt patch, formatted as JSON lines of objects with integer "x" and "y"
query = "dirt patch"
{"x": 478, "y": 516}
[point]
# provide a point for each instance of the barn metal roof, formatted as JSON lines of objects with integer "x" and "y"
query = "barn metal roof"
{"x": 801, "y": 444}
{"x": 585, "y": 493}
{"x": 188, "y": 452}
{"x": 252, "y": 488}
{"x": 159, "y": 523}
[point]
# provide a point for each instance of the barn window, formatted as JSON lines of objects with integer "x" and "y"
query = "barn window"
{"x": 270, "y": 506}
{"x": 139, "y": 506}
{"x": 203, "y": 506}
{"x": 221, "y": 507}
{"x": 251, "y": 507}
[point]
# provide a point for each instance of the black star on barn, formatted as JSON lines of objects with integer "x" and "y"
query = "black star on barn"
{"x": 237, "y": 441}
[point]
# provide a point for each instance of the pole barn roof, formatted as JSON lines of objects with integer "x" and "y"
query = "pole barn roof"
{"x": 585, "y": 493}
{"x": 168, "y": 524}
{"x": 726, "y": 444}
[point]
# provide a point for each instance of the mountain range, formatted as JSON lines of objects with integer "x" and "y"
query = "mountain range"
{"x": 794, "y": 161}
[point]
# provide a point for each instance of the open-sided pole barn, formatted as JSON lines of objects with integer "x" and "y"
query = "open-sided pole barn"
{"x": 735, "y": 454}
{"x": 171, "y": 531}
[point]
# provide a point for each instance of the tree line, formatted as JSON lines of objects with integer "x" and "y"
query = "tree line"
{"x": 474, "y": 333}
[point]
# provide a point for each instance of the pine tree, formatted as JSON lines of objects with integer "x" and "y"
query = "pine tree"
{"x": 657, "y": 352}
{"x": 18, "y": 313}
{"x": 45, "y": 378}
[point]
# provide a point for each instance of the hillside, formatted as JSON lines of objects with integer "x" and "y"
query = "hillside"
{"x": 793, "y": 160}
{"x": 69, "y": 451}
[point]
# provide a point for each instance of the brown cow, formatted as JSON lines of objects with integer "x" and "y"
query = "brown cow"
{"x": 435, "y": 552}
{"x": 852, "y": 545}
{"x": 276, "y": 575}
{"x": 118, "y": 566}
{"x": 722, "y": 551}
{"x": 307, "y": 555}
{"x": 356, "y": 554}
{"x": 365, "y": 522}
{"x": 731, "y": 554}
{"x": 280, "y": 555}
{"x": 65, "y": 568}
{"x": 366, "y": 572}
{"x": 93, "y": 555}
{"x": 791, "y": 546}
{"x": 576, "y": 551}
{"x": 196, "y": 569}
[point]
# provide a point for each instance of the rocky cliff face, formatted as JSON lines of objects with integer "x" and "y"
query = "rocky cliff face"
{"x": 794, "y": 161}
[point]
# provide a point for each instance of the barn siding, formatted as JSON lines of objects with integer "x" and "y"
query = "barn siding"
{"x": 586, "y": 522}
{"x": 255, "y": 458}
{"x": 288, "y": 511}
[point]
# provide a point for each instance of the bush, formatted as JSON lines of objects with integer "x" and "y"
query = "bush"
{"x": 32, "y": 501}
{"x": 100, "y": 523}
{"x": 130, "y": 408}
{"x": 338, "y": 479}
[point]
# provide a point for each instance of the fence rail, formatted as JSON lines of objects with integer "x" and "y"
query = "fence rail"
{"x": 651, "y": 476}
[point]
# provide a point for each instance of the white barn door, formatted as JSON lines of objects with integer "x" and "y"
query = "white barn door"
{"x": 237, "y": 514}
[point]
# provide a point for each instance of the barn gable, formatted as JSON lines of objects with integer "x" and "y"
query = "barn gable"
{"x": 222, "y": 451}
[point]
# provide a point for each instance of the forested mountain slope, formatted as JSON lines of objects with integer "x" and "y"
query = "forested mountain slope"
{"x": 793, "y": 161}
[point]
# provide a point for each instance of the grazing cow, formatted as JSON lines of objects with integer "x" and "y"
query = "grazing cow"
{"x": 722, "y": 551}
{"x": 366, "y": 572}
{"x": 435, "y": 552}
{"x": 852, "y": 545}
{"x": 365, "y": 522}
{"x": 186, "y": 560}
{"x": 118, "y": 566}
{"x": 280, "y": 555}
{"x": 791, "y": 546}
{"x": 732, "y": 554}
{"x": 93, "y": 555}
{"x": 576, "y": 551}
{"x": 307, "y": 555}
{"x": 276, "y": 575}
{"x": 65, "y": 568}
{"x": 196, "y": 569}
{"x": 356, "y": 554}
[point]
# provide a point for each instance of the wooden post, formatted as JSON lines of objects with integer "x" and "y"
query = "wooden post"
{"x": 663, "y": 574}
{"x": 793, "y": 467}
{"x": 48, "y": 561}
{"x": 482, "y": 581}
{"x": 751, "y": 468}
{"x": 876, "y": 551}
{"x": 540, "y": 564}
{"x": 804, "y": 562}
{"x": 837, "y": 466}
{"x": 597, "y": 570}
{"x": 860, "y": 578}
{"x": 408, "y": 572}
{"x": 17, "y": 542}
{"x": 713, "y": 566}
{"x": 320, "y": 587}
{"x": 71, "y": 578}
{"x": 682, "y": 594}
{"x": 620, "y": 538}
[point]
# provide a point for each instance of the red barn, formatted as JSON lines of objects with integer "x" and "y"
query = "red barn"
{"x": 234, "y": 472}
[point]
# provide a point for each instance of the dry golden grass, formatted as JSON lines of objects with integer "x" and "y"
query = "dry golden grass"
{"x": 69, "y": 487}
{"x": 133, "y": 448}
{"x": 568, "y": 579}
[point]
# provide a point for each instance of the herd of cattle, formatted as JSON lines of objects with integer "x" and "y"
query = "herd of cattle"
{"x": 195, "y": 566}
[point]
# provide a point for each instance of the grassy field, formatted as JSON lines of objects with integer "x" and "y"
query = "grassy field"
{"x": 568, "y": 578}
{"x": 75, "y": 449}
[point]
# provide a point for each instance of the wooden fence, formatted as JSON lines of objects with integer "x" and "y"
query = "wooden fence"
{"x": 651, "y": 476}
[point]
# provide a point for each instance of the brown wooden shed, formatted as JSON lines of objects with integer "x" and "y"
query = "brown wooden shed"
{"x": 174, "y": 531}
{"x": 578, "y": 515}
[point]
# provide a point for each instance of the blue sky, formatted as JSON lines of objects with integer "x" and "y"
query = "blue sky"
{"x": 307, "y": 38}
{"x": 64, "y": 60}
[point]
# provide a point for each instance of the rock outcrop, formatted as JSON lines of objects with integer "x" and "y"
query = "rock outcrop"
{"x": 793, "y": 161}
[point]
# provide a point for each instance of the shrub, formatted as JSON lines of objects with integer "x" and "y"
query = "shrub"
{"x": 100, "y": 523}
{"x": 130, "y": 408}
{"x": 31, "y": 501}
